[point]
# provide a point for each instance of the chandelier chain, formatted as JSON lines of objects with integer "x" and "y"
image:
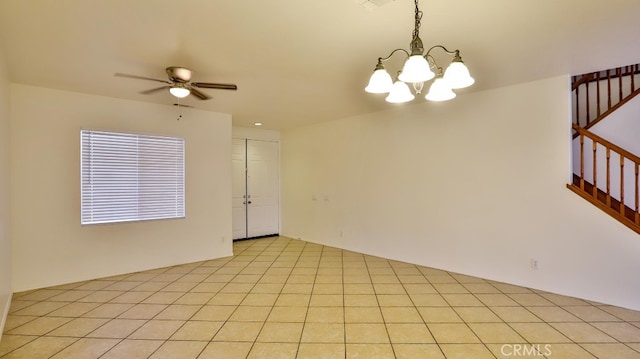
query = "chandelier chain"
{"x": 418, "y": 18}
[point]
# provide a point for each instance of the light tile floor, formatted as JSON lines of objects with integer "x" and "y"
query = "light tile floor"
{"x": 284, "y": 298}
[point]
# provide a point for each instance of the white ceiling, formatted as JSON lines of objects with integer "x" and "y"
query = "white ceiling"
{"x": 299, "y": 61}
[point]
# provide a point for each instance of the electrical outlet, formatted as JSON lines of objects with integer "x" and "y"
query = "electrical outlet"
{"x": 534, "y": 263}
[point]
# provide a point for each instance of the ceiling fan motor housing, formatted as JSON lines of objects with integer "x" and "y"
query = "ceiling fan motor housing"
{"x": 179, "y": 74}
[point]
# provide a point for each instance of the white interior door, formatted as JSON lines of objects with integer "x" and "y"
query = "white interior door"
{"x": 262, "y": 188}
{"x": 256, "y": 207}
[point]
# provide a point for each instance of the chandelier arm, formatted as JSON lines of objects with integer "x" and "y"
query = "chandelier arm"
{"x": 432, "y": 63}
{"x": 383, "y": 59}
{"x": 443, "y": 48}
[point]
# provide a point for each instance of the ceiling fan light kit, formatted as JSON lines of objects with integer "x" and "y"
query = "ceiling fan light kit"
{"x": 179, "y": 91}
{"x": 419, "y": 68}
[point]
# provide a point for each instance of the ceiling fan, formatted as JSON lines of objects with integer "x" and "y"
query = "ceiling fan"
{"x": 180, "y": 85}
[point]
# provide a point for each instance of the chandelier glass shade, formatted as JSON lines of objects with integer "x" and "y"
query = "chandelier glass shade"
{"x": 418, "y": 68}
{"x": 400, "y": 93}
{"x": 440, "y": 90}
{"x": 380, "y": 82}
{"x": 457, "y": 75}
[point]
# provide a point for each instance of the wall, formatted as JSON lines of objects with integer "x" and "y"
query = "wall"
{"x": 255, "y": 134}
{"x": 476, "y": 185}
{"x": 49, "y": 245}
{"x": 5, "y": 242}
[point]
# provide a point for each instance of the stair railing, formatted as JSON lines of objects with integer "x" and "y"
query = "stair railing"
{"x": 607, "y": 176}
{"x": 598, "y": 94}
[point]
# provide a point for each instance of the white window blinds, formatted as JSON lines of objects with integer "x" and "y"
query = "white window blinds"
{"x": 130, "y": 177}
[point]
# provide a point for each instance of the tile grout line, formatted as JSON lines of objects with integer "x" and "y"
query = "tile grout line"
{"x": 384, "y": 320}
{"x": 279, "y": 294}
{"x": 416, "y": 308}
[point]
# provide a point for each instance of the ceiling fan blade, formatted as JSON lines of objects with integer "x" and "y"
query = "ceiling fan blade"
{"x": 141, "y": 78}
{"x": 199, "y": 94}
{"x": 181, "y": 105}
{"x": 208, "y": 85}
{"x": 157, "y": 89}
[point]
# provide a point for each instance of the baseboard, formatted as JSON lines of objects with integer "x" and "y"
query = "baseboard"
{"x": 5, "y": 313}
{"x": 256, "y": 237}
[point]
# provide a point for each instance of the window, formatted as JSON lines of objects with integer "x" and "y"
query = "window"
{"x": 129, "y": 177}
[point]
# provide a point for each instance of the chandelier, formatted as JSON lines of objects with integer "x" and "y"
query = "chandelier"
{"x": 419, "y": 68}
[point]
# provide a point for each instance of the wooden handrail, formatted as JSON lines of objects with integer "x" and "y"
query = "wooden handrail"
{"x": 600, "y": 195}
{"x": 603, "y": 115}
{"x": 621, "y": 151}
{"x": 578, "y": 80}
{"x": 614, "y": 93}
